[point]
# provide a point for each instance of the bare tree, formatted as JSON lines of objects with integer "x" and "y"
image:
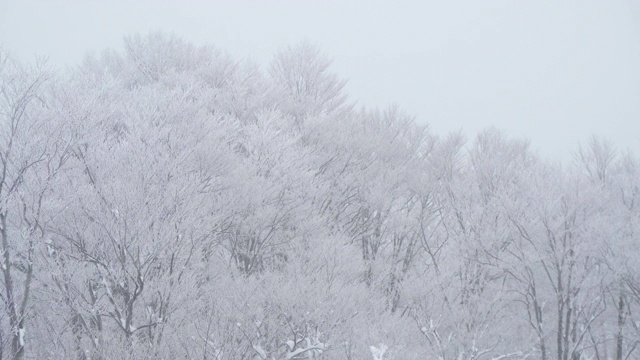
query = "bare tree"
{"x": 34, "y": 148}
{"x": 304, "y": 85}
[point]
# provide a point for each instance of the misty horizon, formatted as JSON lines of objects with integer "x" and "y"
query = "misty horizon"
{"x": 553, "y": 73}
{"x": 319, "y": 180}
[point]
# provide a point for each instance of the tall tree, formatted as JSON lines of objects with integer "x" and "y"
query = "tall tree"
{"x": 303, "y": 85}
{"x": 34, "y": 148}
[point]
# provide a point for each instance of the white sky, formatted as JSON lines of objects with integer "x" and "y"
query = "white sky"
{"x": 555, "y": 71}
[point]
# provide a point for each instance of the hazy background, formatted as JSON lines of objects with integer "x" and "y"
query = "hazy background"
{"x": 555, "y": 71}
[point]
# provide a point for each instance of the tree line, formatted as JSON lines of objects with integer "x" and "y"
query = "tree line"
{"x": 166, "y": 201}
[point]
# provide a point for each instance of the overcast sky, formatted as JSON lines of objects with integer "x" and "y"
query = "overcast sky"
{"x": 555, "y": 71}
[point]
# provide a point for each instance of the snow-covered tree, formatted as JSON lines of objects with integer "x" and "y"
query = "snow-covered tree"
{"x": 35, "y": 146}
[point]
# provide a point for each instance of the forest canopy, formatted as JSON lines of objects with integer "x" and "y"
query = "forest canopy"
{"x": 167, "y": 201}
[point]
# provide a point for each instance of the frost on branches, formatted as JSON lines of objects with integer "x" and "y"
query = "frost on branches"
{"x": 167, "y": 201}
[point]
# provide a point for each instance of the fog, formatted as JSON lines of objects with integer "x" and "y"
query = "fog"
{"x": 328, "y": 180}
{"x": 551, "y": 71}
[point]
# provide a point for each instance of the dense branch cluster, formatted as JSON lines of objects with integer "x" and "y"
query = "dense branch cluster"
{"x": 169, "y": 202}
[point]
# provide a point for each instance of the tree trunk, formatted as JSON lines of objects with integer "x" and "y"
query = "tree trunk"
{"x": 621, "y": 319}
{"x": 15, "y": 322}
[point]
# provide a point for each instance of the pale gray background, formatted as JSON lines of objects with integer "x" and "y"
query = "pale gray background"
{"x": 552, "y": 70}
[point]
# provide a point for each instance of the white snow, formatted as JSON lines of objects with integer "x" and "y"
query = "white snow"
{"x": 378, "y": 352}
{"x": 260, "y": 351}
{"x": 21, "y": 333}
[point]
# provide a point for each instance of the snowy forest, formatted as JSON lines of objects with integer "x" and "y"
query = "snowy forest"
{"x": 167, "y": 201}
